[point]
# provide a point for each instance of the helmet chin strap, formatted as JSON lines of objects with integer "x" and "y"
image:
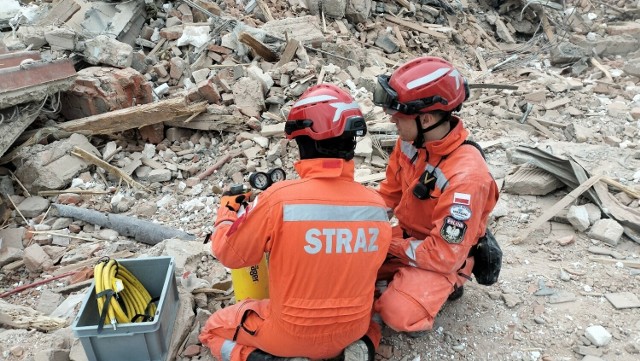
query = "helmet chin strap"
{"x": 419, "y": 141}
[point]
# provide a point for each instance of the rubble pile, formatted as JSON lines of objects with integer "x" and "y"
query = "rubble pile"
{"x": 146, "y": 109}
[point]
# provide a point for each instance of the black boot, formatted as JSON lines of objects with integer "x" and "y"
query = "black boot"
{"x": 457, "y": 293}
{"x": 259, "y": 355}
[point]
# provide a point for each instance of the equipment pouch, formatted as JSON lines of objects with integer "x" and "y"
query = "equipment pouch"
{"x": 488, "y": 259}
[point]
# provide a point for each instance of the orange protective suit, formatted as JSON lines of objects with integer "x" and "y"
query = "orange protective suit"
{"x": 326, "y": 236}
{"x": 430, "y": 246}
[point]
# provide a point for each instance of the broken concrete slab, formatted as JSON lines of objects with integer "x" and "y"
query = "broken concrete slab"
{"x": 13, "y": 126}
{"x": 358, "y": 11}
{"x": 33, "y": 80}
{"x": 610, "y": 45}
{"x": 305, "y": 29}
{"x": 578, "y": 217}
{"x": 33, "y": 206}
{"x": 621, "y": 300}
{"x": 12, "y": 237}
{"x": 123, "y": 20}
{"x": 566, "y": 53}
{"x": 531, "y": 181}
{"x": 108, "y": 51}
{"x": 62, "y": 39}
{"x": 36, "y": 259}
{"x": 32, "y": 36}
{"x": 249, "y": 96}
{"x": 331, "y": 8}
{"x": 606, "y": 230}
{"x": 623, "y": 28}
{"x": 60, "y": 12}
{"x": 632, "y": 67}
{"x": 52, "y": 167}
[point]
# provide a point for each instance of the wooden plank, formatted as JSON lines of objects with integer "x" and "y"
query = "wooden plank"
{"x": 541, "y": 128}
{"x": 405, "y": 3}
{"x": 209, "y": 6}
{"x": 134, "y": 117}
{"x": 561, "y": 204}
{"x": 320, "y": 79}
{"x": 483, "y": 100}
{"x": 91, "y": 262}
{"x": 403, "y": 45}
{"x": 632, "y": 264}
{"x": 597, "y": 64}
{"x": 61, "y": 12}
{"x": 158, "y": 46}
{"x": 341, "y": 27}
{"x": 265, "y": 10}
{"x": 481, "y": 62}
{"x": 289, "y": 52}
{"x": 24, "y": 317}
{"x": 208, "y": 121}
{"x": 628, "y": 190}
{"x": 546, "y": 27}
{"x": 258, "y": 47}
{"x": 486, "y": 36}
{"x": 416, "y": 27}
{"x": 89, "y": 157}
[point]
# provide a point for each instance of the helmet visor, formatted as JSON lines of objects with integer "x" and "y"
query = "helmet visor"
{"x": 383, "y": 95}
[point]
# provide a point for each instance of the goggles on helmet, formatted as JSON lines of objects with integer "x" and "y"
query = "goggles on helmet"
{"x": 384, "y": 96}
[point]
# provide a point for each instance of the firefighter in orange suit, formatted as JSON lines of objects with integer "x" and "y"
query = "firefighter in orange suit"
{"x": 439, "y": 188}
{"x": 326, "y": 237}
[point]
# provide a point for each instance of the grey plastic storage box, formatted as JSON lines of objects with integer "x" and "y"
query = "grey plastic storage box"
{"x": 143, "y": 341}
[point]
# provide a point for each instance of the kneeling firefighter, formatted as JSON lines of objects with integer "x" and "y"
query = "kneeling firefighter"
{"x": 326, "y": 237}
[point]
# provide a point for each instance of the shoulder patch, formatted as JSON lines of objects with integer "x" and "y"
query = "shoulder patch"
{"x": 462, "y": 198}
{"x": 460, "y": 212}
{"x": 453, "y": 230}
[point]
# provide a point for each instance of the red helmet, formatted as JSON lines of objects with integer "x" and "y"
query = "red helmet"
{"x": 325, "y": 111}
{"x": 422, "y": 85}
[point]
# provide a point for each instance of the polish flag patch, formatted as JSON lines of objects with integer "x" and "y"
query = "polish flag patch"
{"x": 462, "y": 198}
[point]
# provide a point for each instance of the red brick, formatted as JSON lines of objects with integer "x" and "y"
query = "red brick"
{"x": 219, "y": 49}
{"x": 193, "y": 95}
{"x": 99, "y": 90}
{"x": 69, "y": 198}
{"x": 172, "y": 33}
{"x": 153, "y": 133}
{"x": 209, "y": 92}
{"x": 217, "y": 58}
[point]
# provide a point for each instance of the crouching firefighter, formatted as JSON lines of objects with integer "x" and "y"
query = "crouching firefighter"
{"x": 326, "y": 237}
{"x": 440, "y": 190}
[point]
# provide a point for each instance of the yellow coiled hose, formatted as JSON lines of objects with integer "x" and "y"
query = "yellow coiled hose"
{"x": 128, "y": 300}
